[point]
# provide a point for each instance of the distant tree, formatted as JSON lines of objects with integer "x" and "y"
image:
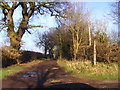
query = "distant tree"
{"x": 55, "y": 37}
{"x": 115, "y": 12}
{"x": 114, "y": 37}
{"x": 44, "y": 40}
{"x": 100, "y": 33}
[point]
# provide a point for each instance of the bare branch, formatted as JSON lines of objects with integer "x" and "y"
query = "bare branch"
{"x": 30, "y": 26}
{"x": 31, "y": 11}
{"x": 15, "y": 5}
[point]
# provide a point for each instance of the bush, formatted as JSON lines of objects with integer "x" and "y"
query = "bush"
{"x": 10, "y": 56}
{"x": 105, "y": 52}
{"x": 114, "y": 52}
{"x": 27, "y": 56}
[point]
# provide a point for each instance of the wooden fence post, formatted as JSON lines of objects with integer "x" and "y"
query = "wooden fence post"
{"x": 94, "y": 59}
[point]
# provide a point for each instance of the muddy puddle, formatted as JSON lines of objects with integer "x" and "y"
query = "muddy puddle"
{"x": 29, "y": 74}
{"x": 33, "y": 73}
{"x": 25, "y": 76}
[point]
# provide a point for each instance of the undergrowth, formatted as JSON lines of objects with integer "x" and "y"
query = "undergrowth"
{"x": 102, "y": 71}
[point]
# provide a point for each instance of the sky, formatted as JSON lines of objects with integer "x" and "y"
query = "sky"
{"x": 99, "y": 10}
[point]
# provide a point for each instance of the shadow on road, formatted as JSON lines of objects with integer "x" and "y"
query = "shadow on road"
{"x": 39, "y": 75}
{"x": 71, "y": 85}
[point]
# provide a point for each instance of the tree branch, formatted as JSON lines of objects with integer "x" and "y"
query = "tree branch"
{"x": 31, "y": 11}
{"x": 6, "y": 6}
{"x": 24, "y": 9}
{"x": 15, "y": 5}
{"x": 30, "y": 26}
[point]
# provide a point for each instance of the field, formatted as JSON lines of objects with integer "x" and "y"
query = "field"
{"x": 101, "y": 71}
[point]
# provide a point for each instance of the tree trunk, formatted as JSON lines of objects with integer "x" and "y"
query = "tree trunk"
{"x": 14, "y": 43}
{"x": 51, "y": 53}
{"x": 74, "y": 56}
{"x": 15, "y": 37}
{"x": 60, "y": 48}
{"x": 45, "y": 53}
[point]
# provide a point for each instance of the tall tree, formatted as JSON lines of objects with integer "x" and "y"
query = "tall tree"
{"x": 28, "y": 10}
{"x": 78, "y": 27}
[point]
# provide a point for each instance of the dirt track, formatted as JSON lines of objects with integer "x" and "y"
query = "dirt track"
{"x": 49, "y": 75}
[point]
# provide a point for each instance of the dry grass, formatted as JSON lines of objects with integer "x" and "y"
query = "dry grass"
{"x": 85, "y": 69}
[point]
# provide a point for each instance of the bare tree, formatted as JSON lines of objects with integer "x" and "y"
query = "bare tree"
{"x": 28, "y": 10}
{"x": 116, "y": 15}
{"x": 116, "y": 12}
{"x": 100, "y": 33}
{"x": 77, "y": 25}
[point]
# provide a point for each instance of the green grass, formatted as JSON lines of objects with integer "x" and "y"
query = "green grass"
{"x": 85, "y": 69}
{"x": 4, "y": 72}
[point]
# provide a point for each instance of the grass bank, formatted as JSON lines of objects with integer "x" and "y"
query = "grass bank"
{"x": 4, "y": 72}
{"x": 85, "y": 69}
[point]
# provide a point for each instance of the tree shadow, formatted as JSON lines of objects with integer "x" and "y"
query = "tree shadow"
{"x": 30, "y": 80}
{"x": 71, "y": 85}
{"x": 40, "y": 77}
{"x": 44, "y": 76}
{"x": 52, "y": 74}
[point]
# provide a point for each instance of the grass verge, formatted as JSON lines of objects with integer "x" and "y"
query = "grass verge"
{"x": 4, "y": 72}
{"x": 85, "y": 69}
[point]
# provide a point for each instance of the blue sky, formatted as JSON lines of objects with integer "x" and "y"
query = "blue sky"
{"x": 99, "y": 10}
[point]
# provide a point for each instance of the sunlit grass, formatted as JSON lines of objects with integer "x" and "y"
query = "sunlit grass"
{"x": 85, "y": 69}
{"x": 4, "y": 72}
